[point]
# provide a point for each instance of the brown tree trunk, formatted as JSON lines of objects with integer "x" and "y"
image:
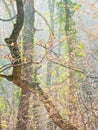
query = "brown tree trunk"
{"x": 23, "y": 109}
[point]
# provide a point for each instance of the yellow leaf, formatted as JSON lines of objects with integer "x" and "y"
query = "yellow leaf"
{"x": 80, "y": 46}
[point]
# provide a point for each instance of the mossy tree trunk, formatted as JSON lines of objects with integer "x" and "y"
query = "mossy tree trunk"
{"x": 71, "y": 39}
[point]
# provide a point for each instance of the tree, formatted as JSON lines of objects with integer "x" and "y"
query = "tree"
{"x": 28, "y": 43}
{"x": 25, "y": 85}
{"x": 51, "y": 6}
{"x": 71, "y": 40}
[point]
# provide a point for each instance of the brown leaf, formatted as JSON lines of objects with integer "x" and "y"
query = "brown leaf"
{"x": 4, "y": 57}
{"x": 12, "y": 44}
{"x": 25, "y": 60}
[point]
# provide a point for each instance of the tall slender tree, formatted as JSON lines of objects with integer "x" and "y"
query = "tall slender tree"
{"x": 51, "y": 7}
{"x": 71, "y": 41}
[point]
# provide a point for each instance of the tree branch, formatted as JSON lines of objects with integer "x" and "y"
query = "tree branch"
{"x": 7, "y": 8}
{"x": 69, "y": 67}
{"x": 10, "y": 19}
{"x": 7, "y": 66}
{"x": 45, "y": 47}
{"x": 8, "y": 77}
{"x": 43, "y": 19}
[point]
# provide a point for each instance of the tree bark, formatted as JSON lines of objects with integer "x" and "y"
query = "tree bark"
{"x": 27, "y": 72}
{"x": 23, "y": 109}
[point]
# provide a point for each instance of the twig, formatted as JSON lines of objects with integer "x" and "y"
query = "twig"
{"x": 5, "y": 67}
{"x": 69, "y": 67}
{"x": 10, "y": 19}
{"x": 43, "y": 19}
{"x": 47, "y": 49}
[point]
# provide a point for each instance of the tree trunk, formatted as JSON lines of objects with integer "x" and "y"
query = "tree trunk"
{"x": 23, "y": 109}
{"x": 23, "y": 112}
{"x": 50, "y": 42}
{"x": 70, "y": 34}
{"x": 50, "y": 124}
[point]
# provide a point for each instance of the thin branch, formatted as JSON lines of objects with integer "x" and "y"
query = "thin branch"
{"x": 10, "y": 19}
{"x": 47, "y": 49}
{"x": 5, "y": 67}
{"x": 75, "y": 69}
{"x": 44, "y": 19}
{"x": 69, "y": 67}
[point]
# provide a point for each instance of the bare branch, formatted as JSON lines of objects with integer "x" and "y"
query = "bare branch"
{"x": 5, "y": 67}
{"x": 10, "y": 19}
{"x": 47, "y": 49}
{"x": 43, "y": 19}
{"x": 69, "y": 67}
